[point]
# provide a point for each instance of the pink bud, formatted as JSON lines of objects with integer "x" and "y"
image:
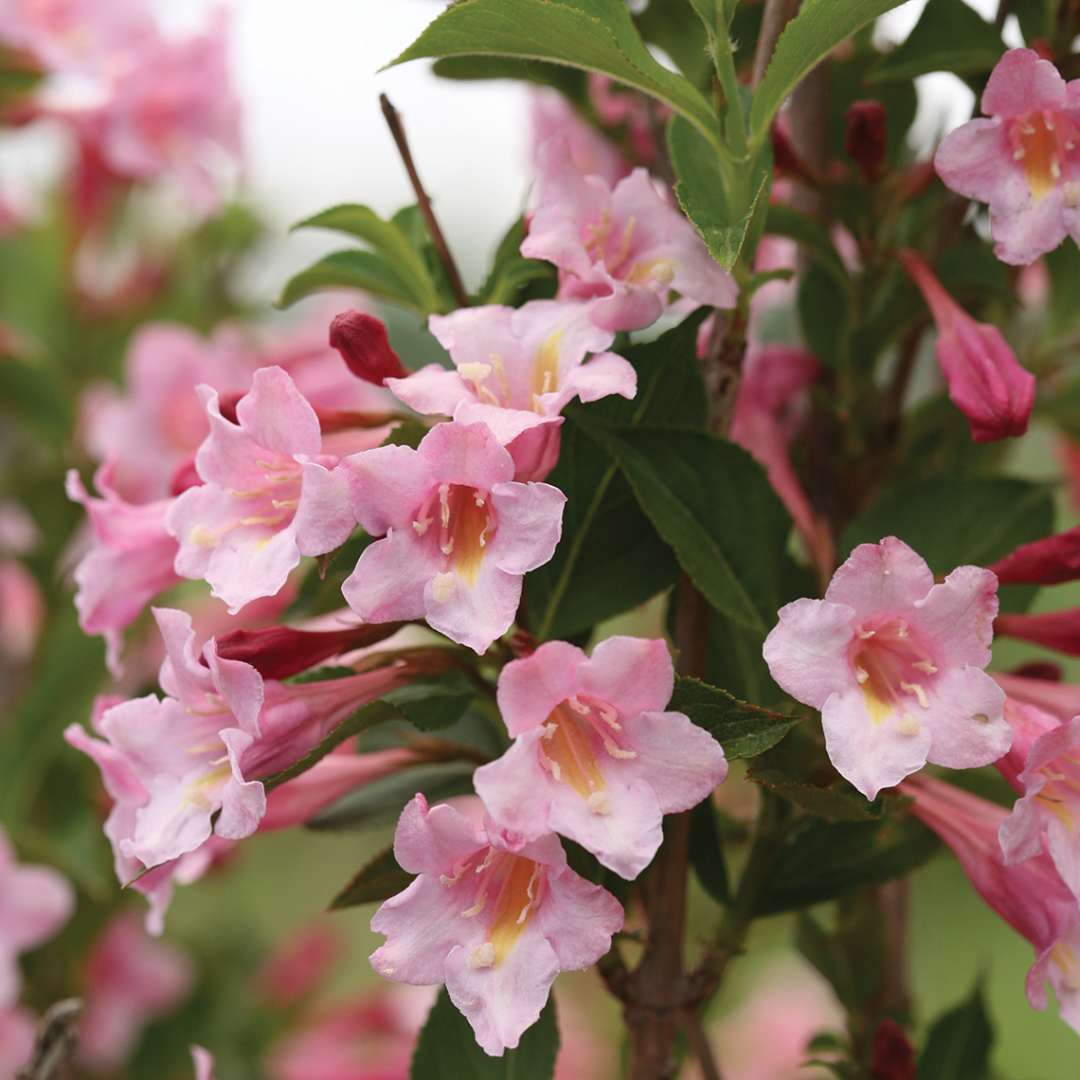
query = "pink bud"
{"x": 986, "y": 382}
{"x": 1049, "y": 561}
{"x": 276, "y": 652}
{"x": 866, "y": 137}
{"x": 364, "y": 346}
{"x": 1058, "y": 630}
{"x": 894, "y": 1059}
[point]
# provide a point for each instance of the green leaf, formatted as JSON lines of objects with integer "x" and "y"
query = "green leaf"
{"x": 407, "y": 433}
{"x": 375, "y": 881}
{"x": 611, "y": 558}
{"x": 570, "y": 82}
{"x": 949, "y": 36}
{"x": 701, "y": 191}
{"x": 707, "y": 852}
{"x": 320, "y": 591}
{"x": 713, "y": 505}
{"x": 825, "y": 314}
{"x": 742, "y": 729}
{"x": 813, "y": 238}
{"x": 818, "y": 28}
{"x": 959, "y": 1043}
{"x": 822, "y": 860}
{"x": 671, "y": 25}
{"x": 447, "y": 1049}
{"x": 366, "y": 271}
{"x": 510, "y": 271}
{"x": 595, "y": 35}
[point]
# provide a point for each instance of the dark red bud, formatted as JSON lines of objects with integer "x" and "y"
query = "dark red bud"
{"x": 1046, "y": 670}
{"x": 786, "y": 159}
{"x": 1050, "y": 561}
{"x": 277, "y": 652}
{"x": 894, "y": 1058}
{"x": 866, "y": 138}
{"x": 364, "y": 346}
{"x": 184, "y": 477}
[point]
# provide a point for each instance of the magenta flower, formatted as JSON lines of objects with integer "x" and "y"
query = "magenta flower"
{"x": 1050, "y": 561}
{"x": 35, "y": 901}
{"x": 516, "y": 370}
{"x": 1023, "y": 161}
{"x": 459, "y": 533}
{"x": 1030, "y": 896}
{"x": 894, "y": 663}
{"x": 130, "y": 980}
{"x": 495, "y": 921}
{"x": 626, "y": 247}
{"x": 267, "y": 496}
{"x": 985, "y": 380}
{"x": 129, "y": 562}
{"x": 595, "y": 755}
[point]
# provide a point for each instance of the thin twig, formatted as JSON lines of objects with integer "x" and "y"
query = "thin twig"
{"x": 57, "y": 1041}
{"x": 1004, "y": 7}
{"x": 777, "y": 14}
{"x": 397, "y": 130}
{"x": 699, "y": 1042}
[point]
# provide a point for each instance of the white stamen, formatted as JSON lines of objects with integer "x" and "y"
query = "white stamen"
{"x": 474, "y": 372}
{"x": 478, "y": 498}
{"x": 472, "y": 912}
{"x": 599, "y": 803}
{"x": 609, "y": 716}
{"x": 1019, "y": 154}
{"x": 925, "y": 665}
{"x": 444, "y": 504}
{"x": 1055, "y": 168}
{"x": 442, "y": 587}
{"x": 908, "y": 725}
{"x": 865, "y": 635}
{"x": 918, "y": 691}
{"x": 483, "y": 956}
{"x": 578, "y": 706}
{"x": 616, "y": 751}
{"x": 421, "y": 525}
{"x": 448, "y": 547}
{"x": 861, "y": 675}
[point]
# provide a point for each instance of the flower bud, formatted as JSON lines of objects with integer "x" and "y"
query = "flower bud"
{"x": 894, "y": 1058}
{"x": 1059, "y": 630}
{"x": 866, "y": 137}
{"x": 1050, "y": 561}
{"x": 986, "y": 382}
{"x": 364, "y": 346}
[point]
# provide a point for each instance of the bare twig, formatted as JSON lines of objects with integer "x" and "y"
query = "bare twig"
{"x": 57, "y": 1041}
{"x": 777, "y": 14}
{"x": 699, "y": 1042}
{"x": 397, "y": 130}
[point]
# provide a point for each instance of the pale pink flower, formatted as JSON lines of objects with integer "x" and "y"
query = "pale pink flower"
{"x": 630, "y": 113}
{"x": 203, "y": 1061}
{"x": 1061, "y": 700}
{"x": 459, "y": 533}
{"x": 35, "y": 901}
{"x": 130, "y": 980}
{"x": 1023, "y": 160}
{"x": 595, "y": 755}
{"x": 590, "y": 151}
{"x": 894, "y": 663}
{"x": 22, "y": 612}
{"x": 17, "y": 1032}
{"x": 267, "y": 496}
{"x": 494, "y": 919}
{"x": 299, "y": 965}
{"x": 1030, "y": 896}
{"x": 516, "y": 370}
{"x": 129, "y": 562}
{"x": 986, "y": 382}
{"x": 626, "y": 247}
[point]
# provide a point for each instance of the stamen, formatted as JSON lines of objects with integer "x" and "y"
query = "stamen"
{"x": 616, "y": 751}
{"x": 421, "y": 525}
{"x": 861, "y": 675}
{"x": 925, "y": 665}
{"x": 481, "y": 903}
{"x": 444, "y": 504}
{"x": 578, "y": 706}
{"x": 866, "y": 635}
{"x": 483, "y": 956}
{"x": 918, "y": 691}
{"x": 609, "y": 716}
{"x": 1018, "y": 154}
{"x": 908, "y": 725}
{"x": 1055, "y": 168}
{"x": 546, "y": 762}
{"x": 599, "y": 803}
{"x": 447, "y": 547}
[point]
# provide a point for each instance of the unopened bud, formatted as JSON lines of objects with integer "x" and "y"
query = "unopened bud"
{"x": 894, "y": 1058}
{"x": 277, "y": 652}
{"x": 364, "y": 346}
{"x": 866, "y": 138}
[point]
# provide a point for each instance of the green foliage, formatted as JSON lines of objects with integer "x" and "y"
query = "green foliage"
{"x": 320, "y": 591}
{"x": 959, "y": 1042}
{"x": 812, "y": 237}
{"x": 377, "y": 880}
{"x": 742, "y": 729}
{"x": 707, "y": 852}
{"x": 949, "y": 36}
{"x": 447, "y": 1050}
{"x": 511, "y": 273}
{"x": 595, "y": 35}
{"x": 825, "y": 314}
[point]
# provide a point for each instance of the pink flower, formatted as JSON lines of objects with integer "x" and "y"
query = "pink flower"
{"x": 1050, "y": 561}
{"x": 590, "y": 152}
{"x": 495, "y": 920}
{"x": 986, "y": 382}
{"x": 17, "y": 1032}
{"x": 195, "y": 758}
{"x": 894, "y": 663}
{"x": 300, "y": 965}
{"x": 1053, "y": 629}
{"x": 130, "y": 562}
{"x": 130, "y": 980}
{"x": 767, "y": 417}
{"x": 459, "y": 533}
{"x": 203, "y": 1061}
{"x": 35, "y": 901}
{"x": 624, "y": 247}
{"x": 22, "y": 612}
{"x": 1023, "y": 160}
{"x": 628, "y": 112}
{"x": 1061, "y": 700}
{"x": 516, "y": 370}
{"x": 595, "y": 756}
{"x": 267, "y": 498}
{"x": 1030, "y": 896}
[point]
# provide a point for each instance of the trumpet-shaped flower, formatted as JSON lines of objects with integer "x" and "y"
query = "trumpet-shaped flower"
{"x": 493, "y": 918}
{"x": 1023, "y": 158}
{"x": 1050, "y": 561}
{"x": 267, "y": 497}
{"x": 894, "y": 663}
{"x": 626, "y": 247}
{"x": 35, "y": 901}
{"x": 459, "y": 533}
{"x": 1053, "y": 629}
{"x": 986, "y": 382}
{"x": 595, "y": 755}
{"x": 1030, "y": 896}
{"x": 515, "y": 370}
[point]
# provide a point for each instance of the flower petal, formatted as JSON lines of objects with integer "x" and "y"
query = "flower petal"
{"x": 807, "y": 650}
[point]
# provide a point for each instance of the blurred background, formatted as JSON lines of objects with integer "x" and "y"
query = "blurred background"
{"x": 307, "y": 80}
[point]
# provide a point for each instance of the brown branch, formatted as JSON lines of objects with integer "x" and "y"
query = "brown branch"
{"x": 699, "y": 1042}
{"x": 777, "y": 14}
{"x": 397, "y": 130}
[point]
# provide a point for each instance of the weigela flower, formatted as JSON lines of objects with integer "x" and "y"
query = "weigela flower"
{"x": 1023, "y": 159}
{"x": 1050, "y": 561}
{"x": 1061, "y": 700}
{"x": 595, "y": 755}
{"x": 267, "y": 495}
{"x": 17, "y": 1031}
{"x": 1058, "y": 630}
{"x": 35, "y": 901}
{"x": 130, "y": 980}
{"x": 459, "y": 533}
{"x": 894, "y": 663}
{"x": 493, "y": 918}
{"x": 1030, "y": 896}
{"x": 985, "y": 380}
{"x": 130, "y": 560}
{"x": 203, "y": 1061}
{"x": 516, "y": 370}
{"x": 624, "y": 247}
{"x": 590, "y": 151}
